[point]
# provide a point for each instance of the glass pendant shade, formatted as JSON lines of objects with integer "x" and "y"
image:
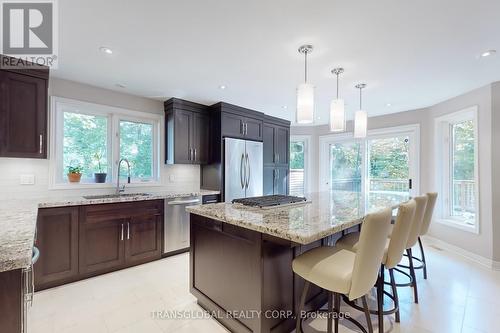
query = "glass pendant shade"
{"x": 360, "y": 124}
{"x": 337, "y": 115}
{"x": 305, "y": 103}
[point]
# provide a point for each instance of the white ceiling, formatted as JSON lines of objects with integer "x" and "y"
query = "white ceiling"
{"x": 412, "y": 54}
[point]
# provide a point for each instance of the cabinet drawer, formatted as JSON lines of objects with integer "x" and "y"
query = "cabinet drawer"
{"x": 124, "y": 210}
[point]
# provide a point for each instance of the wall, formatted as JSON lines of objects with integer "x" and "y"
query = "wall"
{"x": 495, "y": 158}
{"x": 483, "y": 243}
{"x": 185, "y": 177}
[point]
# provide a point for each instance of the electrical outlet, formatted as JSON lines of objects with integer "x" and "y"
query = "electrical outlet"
{"x": 171, "y": 178}
{"x": 27, "y": 179}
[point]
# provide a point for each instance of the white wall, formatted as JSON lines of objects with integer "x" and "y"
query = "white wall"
{"x": 481, "y": 244}
{"x": 185, "y": 177}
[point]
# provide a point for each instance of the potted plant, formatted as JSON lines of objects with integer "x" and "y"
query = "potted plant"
{"x": 74, "y": 173}
{"x": 99, "y": 177}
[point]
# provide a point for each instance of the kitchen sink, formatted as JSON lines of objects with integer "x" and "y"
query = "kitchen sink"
{"x": 121, "y": 195}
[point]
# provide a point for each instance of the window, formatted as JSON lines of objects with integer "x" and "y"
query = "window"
{"x": 456, "y": 159}
{"x": 95, "y": 137}
{"x": 384, "y": 166}
{"x": 298, "y": 165}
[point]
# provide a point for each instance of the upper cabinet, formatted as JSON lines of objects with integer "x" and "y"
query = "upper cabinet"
{"x": 240, "y": 123}
{"x": 276, "y": 139}
{"x": 23, "y": 113}
{"x": 187, "y": 132}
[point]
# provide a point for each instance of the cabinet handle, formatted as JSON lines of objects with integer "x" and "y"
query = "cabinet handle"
{"x": 246, "y": 129}
{"x": 242, "y": 127}
{"x": 189, "y": 154}
{"x": 195, "y": 154}
{"x": 128, "y": 230}
{"x": 122, "y": 231}
{"x": 278, "y": 157}
{"x": 40, "y": 150}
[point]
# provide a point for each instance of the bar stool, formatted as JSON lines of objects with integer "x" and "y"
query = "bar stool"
{"x": 343, "y": 272}
{"x": 394, "y": 250}
{"x": 426, "y": 223}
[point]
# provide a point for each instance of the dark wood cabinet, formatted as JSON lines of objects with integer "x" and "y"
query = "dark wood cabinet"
{"x": 23, "y": 114}
{"x": 276, "y": 142}
{"x": 57, "y": 240}
{"x": 82, "y": 241}
{"x": 187, "y": 132}
{"x": 12, "y": 307}
{"x": 144, "y": 238}
{"x": 237, "y": 126}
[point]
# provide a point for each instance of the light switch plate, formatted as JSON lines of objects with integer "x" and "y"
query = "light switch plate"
{"x": 27, "y": 179}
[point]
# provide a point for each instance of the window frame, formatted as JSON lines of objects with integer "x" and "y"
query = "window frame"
{"x": 307, "y": 159}
{"x": 114, "y": 115}
{"x": 443, "y": 163}
{"x": 413, "y": 130}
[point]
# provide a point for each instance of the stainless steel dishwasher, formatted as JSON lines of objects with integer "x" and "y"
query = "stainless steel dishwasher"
{"x": 176, "y": 223}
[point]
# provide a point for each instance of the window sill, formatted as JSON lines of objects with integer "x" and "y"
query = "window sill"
{"x": 83, "y": 186}
{"x": 459, "y": 225}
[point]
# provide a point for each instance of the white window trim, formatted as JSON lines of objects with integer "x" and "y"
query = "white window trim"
{"x": 412, "y": 129}
{"x": 307, "y": 159}
{"x": 114, "y": 115}
{"x": 442, "y": 160}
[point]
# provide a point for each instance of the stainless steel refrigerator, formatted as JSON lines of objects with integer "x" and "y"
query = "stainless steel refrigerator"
{"x": 243, "y": 169}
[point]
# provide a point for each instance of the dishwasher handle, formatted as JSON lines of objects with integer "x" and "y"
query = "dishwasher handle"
{"x": 183, "y": 202}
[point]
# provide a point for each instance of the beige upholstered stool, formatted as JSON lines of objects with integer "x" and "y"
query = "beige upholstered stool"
{"x": 394, "y": 250}
{"x": 344, "y": 272}
{"x": 426, "y": 223}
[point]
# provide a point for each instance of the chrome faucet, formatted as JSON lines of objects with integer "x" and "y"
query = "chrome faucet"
{"x": 118, "y": 188}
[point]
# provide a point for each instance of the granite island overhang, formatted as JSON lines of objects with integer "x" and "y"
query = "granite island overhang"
{"x": 241, "y": 257}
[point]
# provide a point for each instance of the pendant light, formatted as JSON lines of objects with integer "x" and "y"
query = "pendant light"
{"x": 337, "y": 108}
{"x": 360, "y": 117}
{"x": 305, "y": 93}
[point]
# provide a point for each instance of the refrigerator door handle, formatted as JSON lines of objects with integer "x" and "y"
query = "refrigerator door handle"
{"x": 242, "y": 182}
{"x": 248, "y": 174}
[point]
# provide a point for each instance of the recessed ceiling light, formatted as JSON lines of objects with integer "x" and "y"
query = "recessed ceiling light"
{"x": 488, "y": 53}
{"x": 284, "y": 107}
{"x": 319, "y": 118}
{"x": 106, "y": 50}
{"x": 222, "y": 87}
{"x": 120, "y": 85}
{"x": 388, "y": 105}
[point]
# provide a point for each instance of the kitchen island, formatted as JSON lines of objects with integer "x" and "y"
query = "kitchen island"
{"x": 241, "y": 257}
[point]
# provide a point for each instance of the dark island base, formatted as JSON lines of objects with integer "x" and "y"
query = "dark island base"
{"x": 245, "y": 278}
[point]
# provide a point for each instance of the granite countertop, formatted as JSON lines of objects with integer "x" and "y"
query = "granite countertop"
{"x": 18, "y": 222}
{"x": 326, "y": 214}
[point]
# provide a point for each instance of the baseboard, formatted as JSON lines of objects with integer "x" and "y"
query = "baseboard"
{"x": 488, "y": 263}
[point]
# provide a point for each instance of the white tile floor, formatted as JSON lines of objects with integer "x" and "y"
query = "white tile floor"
{"x": 459, "y": 296}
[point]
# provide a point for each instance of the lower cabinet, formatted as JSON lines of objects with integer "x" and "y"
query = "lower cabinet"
{"x": 57, "y": 238}
{"x": 78, "y": 242}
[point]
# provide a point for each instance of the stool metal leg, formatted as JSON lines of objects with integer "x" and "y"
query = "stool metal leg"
{"x": 337, "y": 311}
{"x": 424, "y": 263}
{"x": 395, "y": 294}
{"x": 380, "y": 300}
{"x": 412, "y": 273}
{"x": 298, "y": 325}
{"x": 330, "y": 312}
{"x": 367, "y": 314}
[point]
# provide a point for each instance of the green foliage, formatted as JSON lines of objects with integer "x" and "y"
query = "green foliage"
{"x": 389, "y": 158}
{"x": 84, "y": 137}
{"x": 463, "y": 150}
{"x": 136, "y": 145}
{"x": 75, "y": 169}
{"x": 297, "y": 155}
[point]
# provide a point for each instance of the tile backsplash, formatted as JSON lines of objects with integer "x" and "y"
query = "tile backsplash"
{"x": 174, "y": 178}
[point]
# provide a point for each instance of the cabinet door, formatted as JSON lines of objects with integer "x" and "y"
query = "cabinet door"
{"x": 183, "y": 123}
{"x": 253, "y": 129}
{"x": 143, "y": 235}
{"x": 23, "y": 116}
{"x": 269, "y": 182}
{"x": 201, "y": 137}
{"x": 268, "y": 143}
{"x": 57, "y": 240}
{"x": 282, "y": 145}
{"x": 281, "y": 181}
{"x": 232, "y": 125}
{"x": 102, "y": 245}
